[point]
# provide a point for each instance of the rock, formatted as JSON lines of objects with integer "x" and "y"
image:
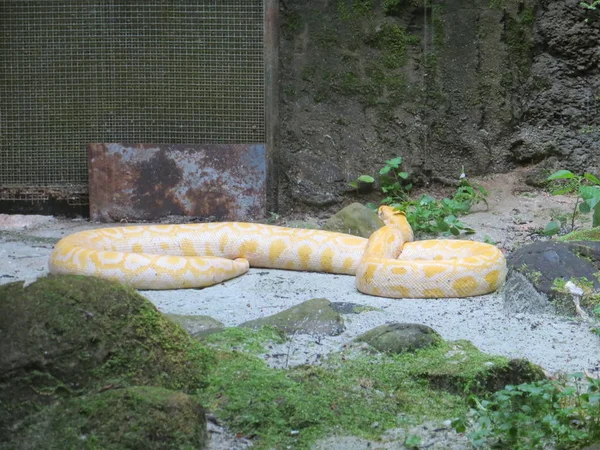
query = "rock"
{"x": 65, "y": 336}
{"x": 302, "y": 224}
{"x": 148, "y": 418}
{"x": 590, "y": 234}
{"x": 196, "y": 325}
{"x": 400, "y": 337}
{"x": 537, "y": 176}
{"x": 538, "y": 273}
{"x": 517, "y": 371}
{"x": 23, "y": 222}
{"x": 315, "y": 316}
{"x": 354, "y": 219}
{"x": 352, "y": 308}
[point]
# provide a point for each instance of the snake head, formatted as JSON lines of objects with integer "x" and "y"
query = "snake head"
{"x": 387, "y": 213}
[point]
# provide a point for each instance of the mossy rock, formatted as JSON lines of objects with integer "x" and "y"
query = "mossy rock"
{"x": 538, "y": 273}
{"x": 460, "y": 368}
{"x": 316, "y": 316}
{"x": 147, "y": 418}
{"x": 354, "y": 219}
{"x": 400, "y": 337}
{"x": 197, "y": 325}
{"x": 68, "y": 335}
{"x": 591, "y": 234}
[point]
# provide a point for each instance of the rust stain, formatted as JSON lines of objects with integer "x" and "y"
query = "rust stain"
{"x": 141, "y": 182}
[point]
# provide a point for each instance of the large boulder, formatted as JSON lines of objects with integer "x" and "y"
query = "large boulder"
{"x": 539, "y": 273}
{"x": 148, "y": 418}
{"x": 354, "y": 219}
{"x": 64, "y": 336}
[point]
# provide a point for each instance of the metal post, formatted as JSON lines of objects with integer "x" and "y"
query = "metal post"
{"x": 271, "y": 36}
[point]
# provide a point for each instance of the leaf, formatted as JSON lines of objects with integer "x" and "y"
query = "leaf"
{"x": 584, "y": 208}
{"x": 562, "y": 191}
{"x": 353, "y": 184}
{"x": 455, "y": 231}
{"x": 596, "y": 216}
{"x": 592, "y": 178}
{"x": 442, "y": 226}
{"x": 403, "y": 175}
{"x": 561, "y": 175}
{"x": 395, "y": 162}
{"x": 426, "y": 200}
{"x": 459, "y": 425}
{"x": 589, "y": 191}
{"x": 552, "y": 228}
{"x": 412, "y": 440}
{"x": 366, "y": 179}
{"x": 592, "y": 202}
{"x": 384, "y": 170}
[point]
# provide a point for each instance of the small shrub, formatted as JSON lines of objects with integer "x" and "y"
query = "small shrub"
{"x": 587, "y": 188}
{"x": 427, "y": 214}
{"x": 539, "y": 415}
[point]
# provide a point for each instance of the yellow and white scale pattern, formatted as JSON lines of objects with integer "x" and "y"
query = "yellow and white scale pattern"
{"x": 388, "y": 264}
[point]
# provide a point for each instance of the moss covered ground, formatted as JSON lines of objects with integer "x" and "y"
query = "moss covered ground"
{"x": 80, "y": 348}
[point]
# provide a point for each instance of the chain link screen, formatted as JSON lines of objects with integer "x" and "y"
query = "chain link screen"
{"x": 188, "y": 71}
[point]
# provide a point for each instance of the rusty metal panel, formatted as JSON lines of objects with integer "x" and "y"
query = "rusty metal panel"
{"x": 145, "y": 182}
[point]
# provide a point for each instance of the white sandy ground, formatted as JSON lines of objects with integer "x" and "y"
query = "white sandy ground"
{"x": 557, "y": 344}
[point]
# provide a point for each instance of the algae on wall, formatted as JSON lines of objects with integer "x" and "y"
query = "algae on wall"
{"x": 367, "y": 80}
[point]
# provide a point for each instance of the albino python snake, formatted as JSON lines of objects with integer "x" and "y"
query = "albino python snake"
{"x": 388, "y": 264}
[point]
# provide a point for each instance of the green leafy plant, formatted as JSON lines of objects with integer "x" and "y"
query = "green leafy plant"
{"x": 587, "y": 188}
{"x": 591, "y": 6}
{"x": 393, "y": 181}
{"x": 544, "y": 414}
{"x": 427, "y": 214}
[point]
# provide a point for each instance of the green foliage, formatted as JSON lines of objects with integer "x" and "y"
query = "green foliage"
{"x": 355, "y": 9}
{"x": 348, "y": 392}
{"x": 427, "y": 214}
{"x": 591, "y": 6}
{"x": 362, "y": 179}
{"x": 395, "y": 7}
{"x": 587, "y": 188}
{"x": 539, "y": 415}
{"x": 391, "y": 40}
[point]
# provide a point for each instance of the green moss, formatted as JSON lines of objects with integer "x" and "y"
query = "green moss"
{"x": 350, "y": 392}
{"x": 291, "y": 23}
{"x": 391, "y": 40}
{"x": 589, "y": 301}
{"x": 518, "y": 36}
{"x": 109, "y": 337}
{"x": 591, "y": 234}
{"x": 355, "y": 9}
{"x": 245, "y": 339}
{"x": 395, "y": 7}
{"x": 72, "y": 334}
{"x": 133, "y": 418}
{"x": 365, "y": 309}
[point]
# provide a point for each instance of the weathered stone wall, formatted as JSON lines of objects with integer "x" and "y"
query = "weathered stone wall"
{"x": 487, "y": 85}
{"x": 560, "y": 112}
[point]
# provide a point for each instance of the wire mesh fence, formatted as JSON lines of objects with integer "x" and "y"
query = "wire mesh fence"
{"x": 170, "y": 71}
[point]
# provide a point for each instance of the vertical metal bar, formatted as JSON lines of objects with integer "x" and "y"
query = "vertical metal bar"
{"x": 271, "y": 42}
